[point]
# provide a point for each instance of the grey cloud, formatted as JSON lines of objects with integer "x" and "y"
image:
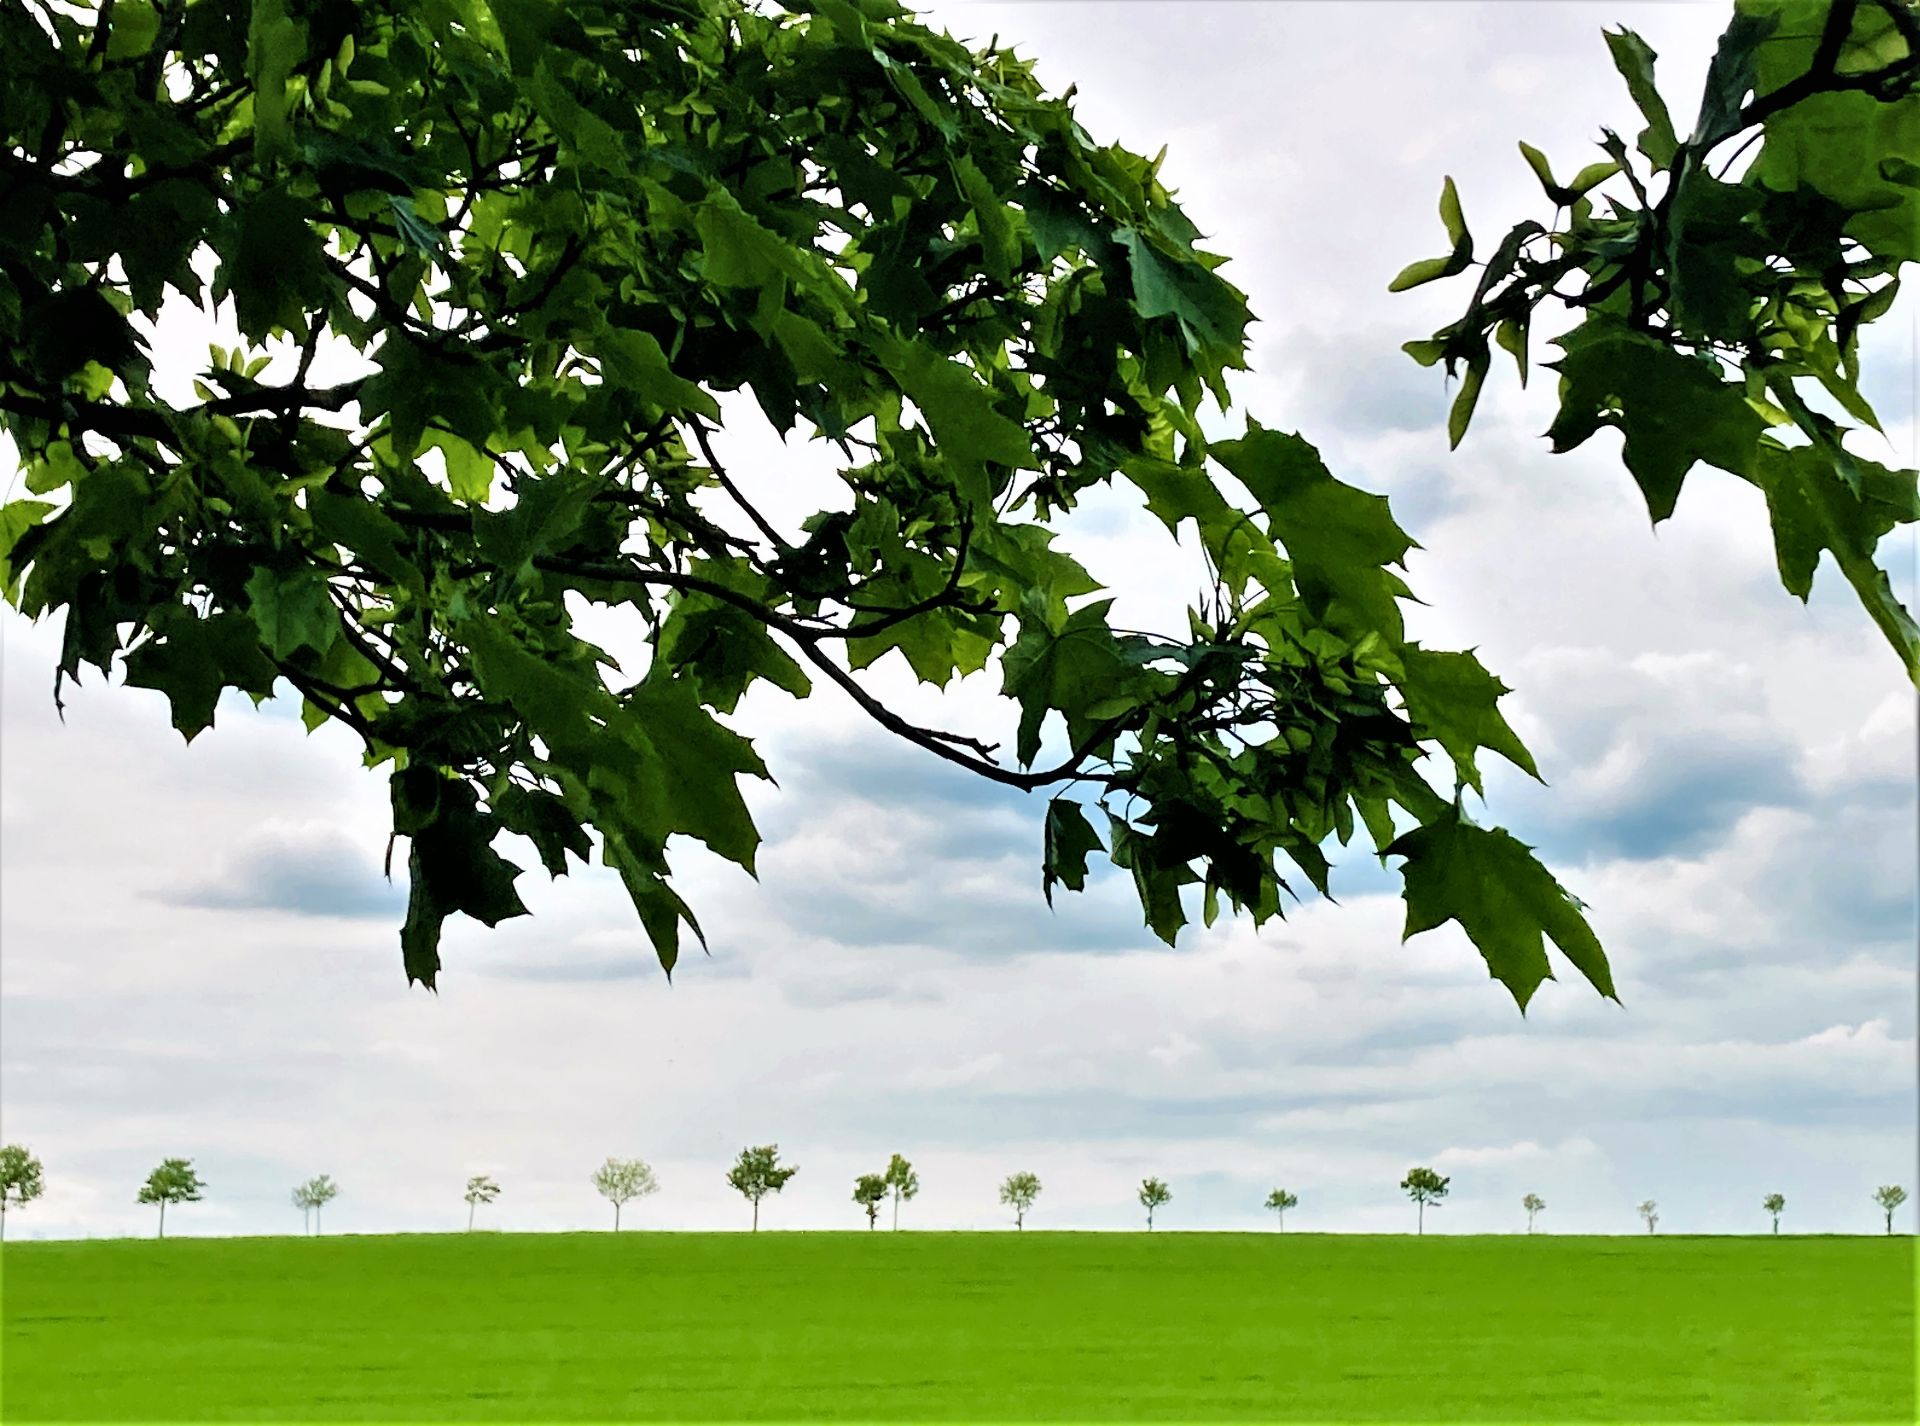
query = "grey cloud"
{"x": 1685, "y": 791}
{"x": 304, "y": 871}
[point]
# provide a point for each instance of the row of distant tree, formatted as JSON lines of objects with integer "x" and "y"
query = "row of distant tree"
{"x": 759, "y": 1172}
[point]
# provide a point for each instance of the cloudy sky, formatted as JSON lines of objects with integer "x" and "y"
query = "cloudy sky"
{"x": 201, "y": 958}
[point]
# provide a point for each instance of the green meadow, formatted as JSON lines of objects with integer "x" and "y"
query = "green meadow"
{"x": 960, "y": 1326}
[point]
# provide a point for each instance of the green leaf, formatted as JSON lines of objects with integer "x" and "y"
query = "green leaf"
{"x": 1455, "y": 262}
{"x": 1537, "y": 161}
{"x": 360, "y": 526}
{"x": 1073, "y": 671}
{"x": 1461, "y": 411}
{"x": 1673, "y": 410}
{"x": 192, "y": 660}
{"x": 422, "y": 237}
{"x": 1069, "y": 838}
{"x": 1841, "y": 146}
{"x": 453, "y": 858}
{"x": 470, "y": 470}
{"x": 292, "y": 611}
{"x": 273, "y": 265}
{"x": 723, "y": 650}
{"x": 275, "y": 44}
{"x": 1503, "y": 898}
{"x": 962, "y": 417}
{"x": 420, "y": 932}
{"x": 1211, "y": 312}
{"x": 136, "y": 24}
{"x": 16, "y": 518}
{"x": 691, "y": 761}
{"x": 633, "y": 359}
{"x": 1157, "y": 878}
{"x": 658, "y": 905}
{"x": 1452, "y": 699}
{"x": 1634, "y": 60}
{"x": 546, "y": 821}
{"x": 1813, "y": 510}
{"x": 1427, "y": 269}
{"x": 1339, "y": 539}
{"x": 999, "y": 242}
{"x": 1452, "y": 218}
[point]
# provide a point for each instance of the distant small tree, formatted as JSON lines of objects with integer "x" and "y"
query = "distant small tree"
{"x": 902, "y": 1182}
{"x": 173, "y": 1182}
{"x": 1651, "y": 1212}
{"x": 1424, "y": 1186}
{"x": 310, "y": 1197}
{"x": 322, "y": 1190}
{"x": 21, "y": 1181}
{"x": 620, "y": 1181}
{"x": 1773, "y": 1203}
{"x": 1018, "y": 1193}
{"x": 480, "y": 1189}
{"x": 1533, "y": 1203}
{"x": 1280, "y": 1201}
{"x": 1890, "y": 1196}
{"x": 869, "y": 1190}
{"x": 758, "y": 1172}
{"x": 1153, "y": 1194}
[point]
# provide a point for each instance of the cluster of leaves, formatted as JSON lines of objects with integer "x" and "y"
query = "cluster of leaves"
{"x": 174, "y": 1181}
{"x": 620, "y": 1181}
{"x": 1279, "y": 1201}
{"x": 1018, "y": 1193}
{"x": 869, "y": 1191}
{"x": 1154, "y": 1193}
{"x": 1718, "y": 315}
{"x": 549, "y": 238}
{"x": 22, "y": 1179}
{"x": 758, "y": 1172}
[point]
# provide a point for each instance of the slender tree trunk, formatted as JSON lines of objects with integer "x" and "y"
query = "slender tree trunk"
{"x": 1420, "y": 1221}
{"x": 1776, "y": 1227}
{"x": 1889, "y": 1222}
{"x": 316, "y": 1220}
{"x": 1020, "y": 1220}
{"x": 1283, "y": 1220}
{"x": 896, "y": 1210}
{"x": 756, "y": 1215}
{"x": 616, "y": 1217}
{"x": 1149, "y": 1220}
{"x": 470, "y": 1207}
{"x": 163, "y": 1217}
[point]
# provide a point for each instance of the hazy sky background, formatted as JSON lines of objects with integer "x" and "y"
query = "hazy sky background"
{"x": 201, "y": 958}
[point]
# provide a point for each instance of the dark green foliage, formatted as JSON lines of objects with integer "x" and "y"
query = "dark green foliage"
{"x": 869, "y": 1191}
{"x": 22, "y": 1179}
{"x": 174, "y": 1181}
{"x": 547, "y": 240}
{"x": 902, "y": 1182}
{"x": 1714, "y": 311}
{"x": 1153, "y": 1194}
{"x": 758, "y": 1172}
{"x": 1018, "y": 1193}
{"x": 554, "y": 236}
{"x": 1424, "y": 1187}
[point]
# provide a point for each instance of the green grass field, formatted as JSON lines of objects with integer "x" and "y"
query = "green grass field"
{"x": 949, "y": 1326}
